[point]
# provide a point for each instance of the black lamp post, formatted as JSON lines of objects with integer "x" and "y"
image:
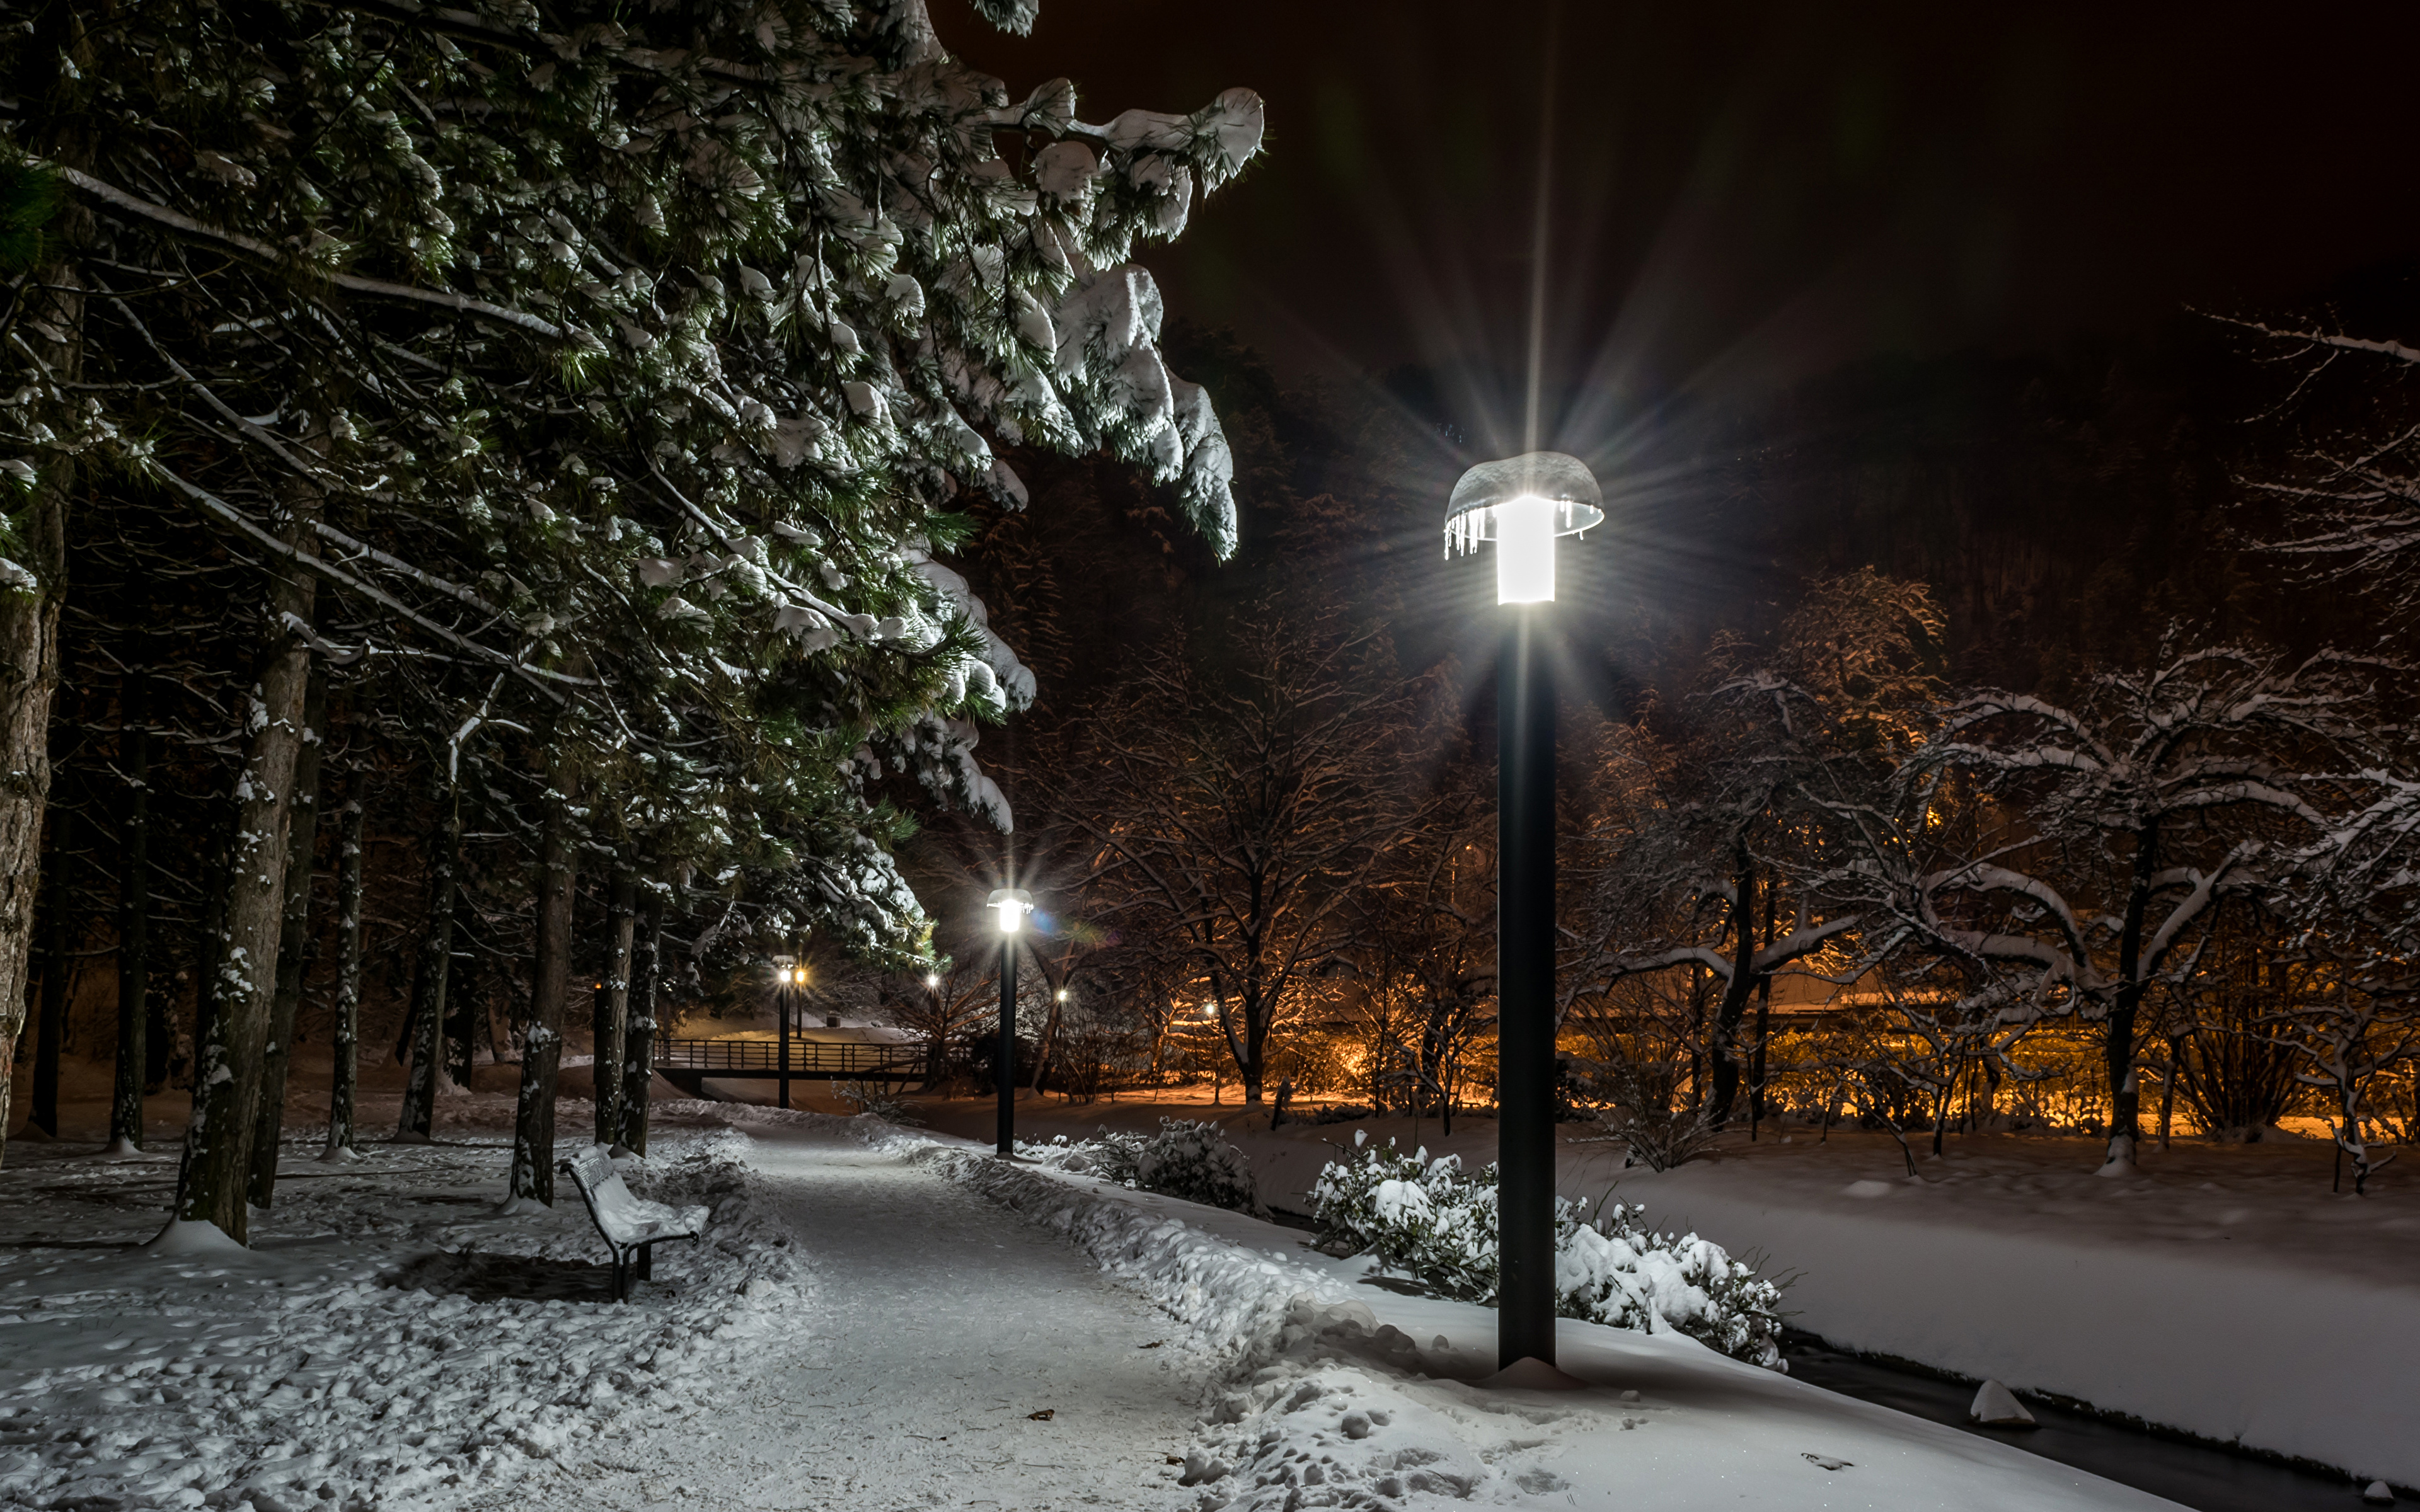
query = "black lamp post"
{"x": 1522, "y": 503}
{"x": 1012, "y": 905}
{"x": 784, "y": 1004}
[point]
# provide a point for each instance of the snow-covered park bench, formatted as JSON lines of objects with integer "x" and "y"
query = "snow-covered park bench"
{"x": 631, "y": 1226}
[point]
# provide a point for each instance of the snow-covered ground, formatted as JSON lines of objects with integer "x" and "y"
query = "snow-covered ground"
{"x": 2225, "y": 1293}
{"x": 862, "y": 1329}
{"x": 388, "y": 1342}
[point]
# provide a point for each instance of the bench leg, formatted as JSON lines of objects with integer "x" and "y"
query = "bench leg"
{"x": 647, "y": 1262}
{"x": 621, "y": 1277}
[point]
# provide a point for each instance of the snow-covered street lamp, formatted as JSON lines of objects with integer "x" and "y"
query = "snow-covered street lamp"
{"x": 1011, "y": 904}
{"x": 1522, "y": 504}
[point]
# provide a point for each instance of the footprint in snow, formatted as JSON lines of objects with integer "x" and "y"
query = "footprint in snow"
{"x": 1825, "y": 1462}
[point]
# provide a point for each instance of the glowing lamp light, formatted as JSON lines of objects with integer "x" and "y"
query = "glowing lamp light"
{"x": 1012, "y": 905}
{"x": 1523, "y": 503}
{"x": 932, "y": 979}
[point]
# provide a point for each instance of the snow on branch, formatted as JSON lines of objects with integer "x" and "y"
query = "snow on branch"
{"x": 118, "y": 199}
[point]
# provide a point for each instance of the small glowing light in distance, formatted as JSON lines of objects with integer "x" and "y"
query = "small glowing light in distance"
{"x": 1525, "y": 551}
{"x": 1063, "y": 994}
{"x": 932, "y": 978}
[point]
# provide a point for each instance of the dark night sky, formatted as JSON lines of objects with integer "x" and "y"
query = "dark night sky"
{"x": 1745, "y": 193}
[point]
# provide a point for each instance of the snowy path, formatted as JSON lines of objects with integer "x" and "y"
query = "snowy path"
{"x": 937, "y": 1323}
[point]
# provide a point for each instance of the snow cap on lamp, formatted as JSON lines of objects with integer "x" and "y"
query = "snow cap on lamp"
{"x": 1013, "y": 904}
{"x": 1522, "y": 503}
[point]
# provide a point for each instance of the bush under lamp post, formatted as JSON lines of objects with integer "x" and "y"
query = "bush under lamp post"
{"x": 1011, "y": 904}
{"x": 1522, "y": 504}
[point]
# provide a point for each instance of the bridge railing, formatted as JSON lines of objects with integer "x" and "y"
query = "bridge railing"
{"x": 808, "y": 1057}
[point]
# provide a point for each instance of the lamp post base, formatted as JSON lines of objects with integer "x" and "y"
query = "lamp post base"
{"x": 1530, "y": 1373}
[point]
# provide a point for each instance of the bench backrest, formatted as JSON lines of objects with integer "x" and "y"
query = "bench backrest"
{"x": 609, "y": 1199}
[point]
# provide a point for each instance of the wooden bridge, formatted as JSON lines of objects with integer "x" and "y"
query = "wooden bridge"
{"x": 687, "y": 1063}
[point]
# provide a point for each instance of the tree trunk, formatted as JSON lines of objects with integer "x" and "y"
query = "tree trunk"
{"x": 1763, "y": 1025}
{"x": 613, "y": 1025}
{"x": 344, "y": 1083}
{"x": 29, "y": 638}
{"x": 2125, "y": 1095}
{"x": 210, "y": 942}
{"x": 418, "y": 1120}
{"x": 1046, "y": 1042}
{"x": 228, "y": 1072}
{"x": 58, "y": 964}
{"x": 1251, "y": 1051}
{"x": 133, "y": 909}
{"x": 465, "y": 1005}
{"x": 2168, "y": 1089}
{"x": 29, "y": 618}
{"x": 936, "y": 1047}
{"x": 533, "y": 1175}
{"x": 293, "y": 940}
{"x": 638, "y": 1042}
{"x": 1737, "y": 989}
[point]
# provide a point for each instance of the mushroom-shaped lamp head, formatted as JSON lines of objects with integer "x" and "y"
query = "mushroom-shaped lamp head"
{"x": 1522, "y": 503}
{"x": 1012, "y": 905}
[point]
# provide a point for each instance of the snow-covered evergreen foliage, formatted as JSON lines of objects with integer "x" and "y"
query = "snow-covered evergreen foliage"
{"x": 638, "y": 356}
{"x": 1187, "y": 1159}
{"x": 1436, "y": 1222}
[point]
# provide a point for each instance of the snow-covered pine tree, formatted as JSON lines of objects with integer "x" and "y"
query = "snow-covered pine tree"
{"x": 636, "y": 359}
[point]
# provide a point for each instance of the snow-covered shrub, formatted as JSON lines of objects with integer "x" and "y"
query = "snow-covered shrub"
{"x": 1435, "y": 1223}
{"x": 1186, "y": 1159}
{"x": 1426, "y": 1218}
{"x": 1612, "y": 1270}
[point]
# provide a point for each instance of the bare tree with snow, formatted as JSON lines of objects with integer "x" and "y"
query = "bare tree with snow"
{"x": 2105, "y": 830}
{"x": 1707, "y": 861}
{"x": 2352, "y": 499}
{"x": 1252, "y": 786}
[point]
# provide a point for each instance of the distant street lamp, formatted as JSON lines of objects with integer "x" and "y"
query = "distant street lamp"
{"x": 784, "y": 976}
{"x": 1012, "y": 905}
{"x": 1522, "y": 504}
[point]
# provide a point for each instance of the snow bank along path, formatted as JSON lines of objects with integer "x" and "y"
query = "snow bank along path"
{"x": 1340, "y": 1392}
{"x": 389, "y": 1343}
